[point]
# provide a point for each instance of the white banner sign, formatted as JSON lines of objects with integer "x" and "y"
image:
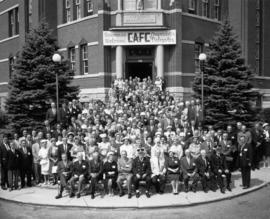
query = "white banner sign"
{"x": 114, "y": 38}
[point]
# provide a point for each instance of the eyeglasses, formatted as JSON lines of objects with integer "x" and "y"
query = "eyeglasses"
{"x": 140, "y": 149}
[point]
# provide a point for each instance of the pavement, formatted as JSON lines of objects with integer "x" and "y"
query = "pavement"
{"x": 44, "y": 196}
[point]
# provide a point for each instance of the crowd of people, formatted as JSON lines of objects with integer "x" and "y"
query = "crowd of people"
{"x": 143, "y": 136}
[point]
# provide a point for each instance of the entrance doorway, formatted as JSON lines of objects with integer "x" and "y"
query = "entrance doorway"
{"x": 139, "y": 69}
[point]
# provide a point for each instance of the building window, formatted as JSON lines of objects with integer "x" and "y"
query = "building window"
{"x": 11, "y": 66}
{"x": 258, "y": 55}
{"x": 77, "y": 9}
{"x": 67, "y": 11}
{"x": 13, "y": 16}
{"x": 72, "y": 57}
{"x": 84, "y": 59}
{"x": 28, "y": 16}
{"x": 192, "y": 6}
{"x": 139, "y": 4}
{"x": 89, "y": 7}
{"x": 198, "y": 49}
{"x": 205, "y": 8}
{"x": 217, "y": 9}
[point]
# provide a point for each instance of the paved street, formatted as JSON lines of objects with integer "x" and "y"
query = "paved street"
{"x": 253, "y": 205}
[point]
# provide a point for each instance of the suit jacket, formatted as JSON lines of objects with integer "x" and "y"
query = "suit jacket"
{"x": 51, "y": 117}
{"x": 64, "y": 116}
{"x": 245, "y": 155}
{"x": 218, "y": 163}
{"x": 202, "y": 166}
{"x": 257, "y": 137}
{"x": 26, "y": 158}
{"x": 46, "y": 130}
{"x": 141, "y": 167}
{"x": 95, "y": 167}
{"x": 4, "y": 154}
{"x": 188, "y": 168}
{"x": 80, "y": 168}
{"x": 227, "y": 147}
{"x": 62, "y": 151}
{"x": 13, "y": 160}
{"x": 64, "y": 168}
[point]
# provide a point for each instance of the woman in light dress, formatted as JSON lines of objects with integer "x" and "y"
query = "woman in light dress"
{"x": 54, "y": 159}
{"x": 44, "y": 161}
{"x": 76, "y": 149}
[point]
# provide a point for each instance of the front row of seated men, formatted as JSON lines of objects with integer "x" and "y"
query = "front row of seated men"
{"x": 210, "y": 170}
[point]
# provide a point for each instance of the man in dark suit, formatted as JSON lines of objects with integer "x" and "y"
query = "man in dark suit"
{"x": 95, "y": 172}
{"x": 245, "y": 160}
{"x": 220, "y": 169}
{"x": 79, "y": 173}
{"x": 47, "y": 128}
{"x": 64, "y": 169}
{"x": 26, "y": 164}
{"x": 189, "y": 169}
{"x": 257, "y": 144}
{"x": 51, "y": 114}
{"x": 64, "y": 115}
{"x": 64, "y": 149}
{"x": 204, "y": 171}
{"x": 227, "y": 148}
{"x": 4, "y": 148}
{"x": 13, "y": 166}
{"x": 141, "y": 170}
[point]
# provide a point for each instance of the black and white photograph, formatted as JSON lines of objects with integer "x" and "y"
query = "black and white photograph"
{"x": 127, "y": 109}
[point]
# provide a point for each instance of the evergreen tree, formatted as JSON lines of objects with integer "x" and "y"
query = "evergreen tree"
{"x": 32, "y": 85}
{"x": 228, "y": 93}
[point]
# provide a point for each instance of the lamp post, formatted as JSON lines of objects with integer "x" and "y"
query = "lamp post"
{"x": 202, "y": 58}
{"x": 57, "y": 59}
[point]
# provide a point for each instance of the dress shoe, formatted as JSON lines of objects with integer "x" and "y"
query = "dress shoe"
{"x": 78, "y": 195}
{"x": 205, "y": 190}
{"x": 222, "y": 190}
{"x": 186, "y": 190}
{"x": 147, "y": 194}
{"x": 229, "y": 188}
{"x": 71, "y": 195}
{"x": 129, "y": 195}
{"x": 245, "y": 187}
{"x": 121, "y": 194}
{"x": 92, "y": 196}
{"x": 194, "y": 190}
{"x": 161, "y": 192}
{"x": 58, "y": 196}
{"x": 137, "y": 195}
{"x": 4, "y": 188}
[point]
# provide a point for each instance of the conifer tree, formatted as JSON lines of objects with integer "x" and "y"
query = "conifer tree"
{"x": 228, "y": 93}
{"x": 32, "y": 84}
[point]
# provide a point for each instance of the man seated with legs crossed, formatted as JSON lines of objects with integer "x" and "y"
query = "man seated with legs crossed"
{"x": 124, "y": 173}
{"x": 79, "y": 173}
{"x": 64, "y": 169}
{"x": 95, "y": 172}
{"x": 189, "y": 170}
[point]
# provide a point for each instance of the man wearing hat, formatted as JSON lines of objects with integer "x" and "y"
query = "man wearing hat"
{"x": 64, "y": 148}
{"x": 141, "y": 169}
{"x": 220, "y": 170}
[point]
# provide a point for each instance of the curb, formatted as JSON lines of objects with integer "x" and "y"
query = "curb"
{"x": 141, "y": 207}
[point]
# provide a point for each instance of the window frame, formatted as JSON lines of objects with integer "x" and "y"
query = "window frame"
{"x": 192, "y": 6}
{"x": 197, "y": 52}
{"x": 205, "y": 8}
{"x": 89, "y": 3}
{"x": 84, "y": 59}
{"x": 71, "y": 55}
{"x": 217, "y": 10}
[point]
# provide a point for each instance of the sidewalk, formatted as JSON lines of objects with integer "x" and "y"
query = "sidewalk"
{"x": 45, "y": 196}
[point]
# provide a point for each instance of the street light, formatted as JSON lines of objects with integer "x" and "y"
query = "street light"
{"x": 57, "y": 59}
{"x": 202, "y": 58}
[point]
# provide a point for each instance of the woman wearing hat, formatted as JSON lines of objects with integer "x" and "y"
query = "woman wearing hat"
{"x": 44, "y": 161}
{"x": 110, "y": 172}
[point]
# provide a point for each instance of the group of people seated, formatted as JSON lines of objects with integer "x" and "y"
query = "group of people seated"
{"x": 142, "y": 136}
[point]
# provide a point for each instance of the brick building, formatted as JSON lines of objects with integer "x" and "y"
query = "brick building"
{"x": 104, "y": 39}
